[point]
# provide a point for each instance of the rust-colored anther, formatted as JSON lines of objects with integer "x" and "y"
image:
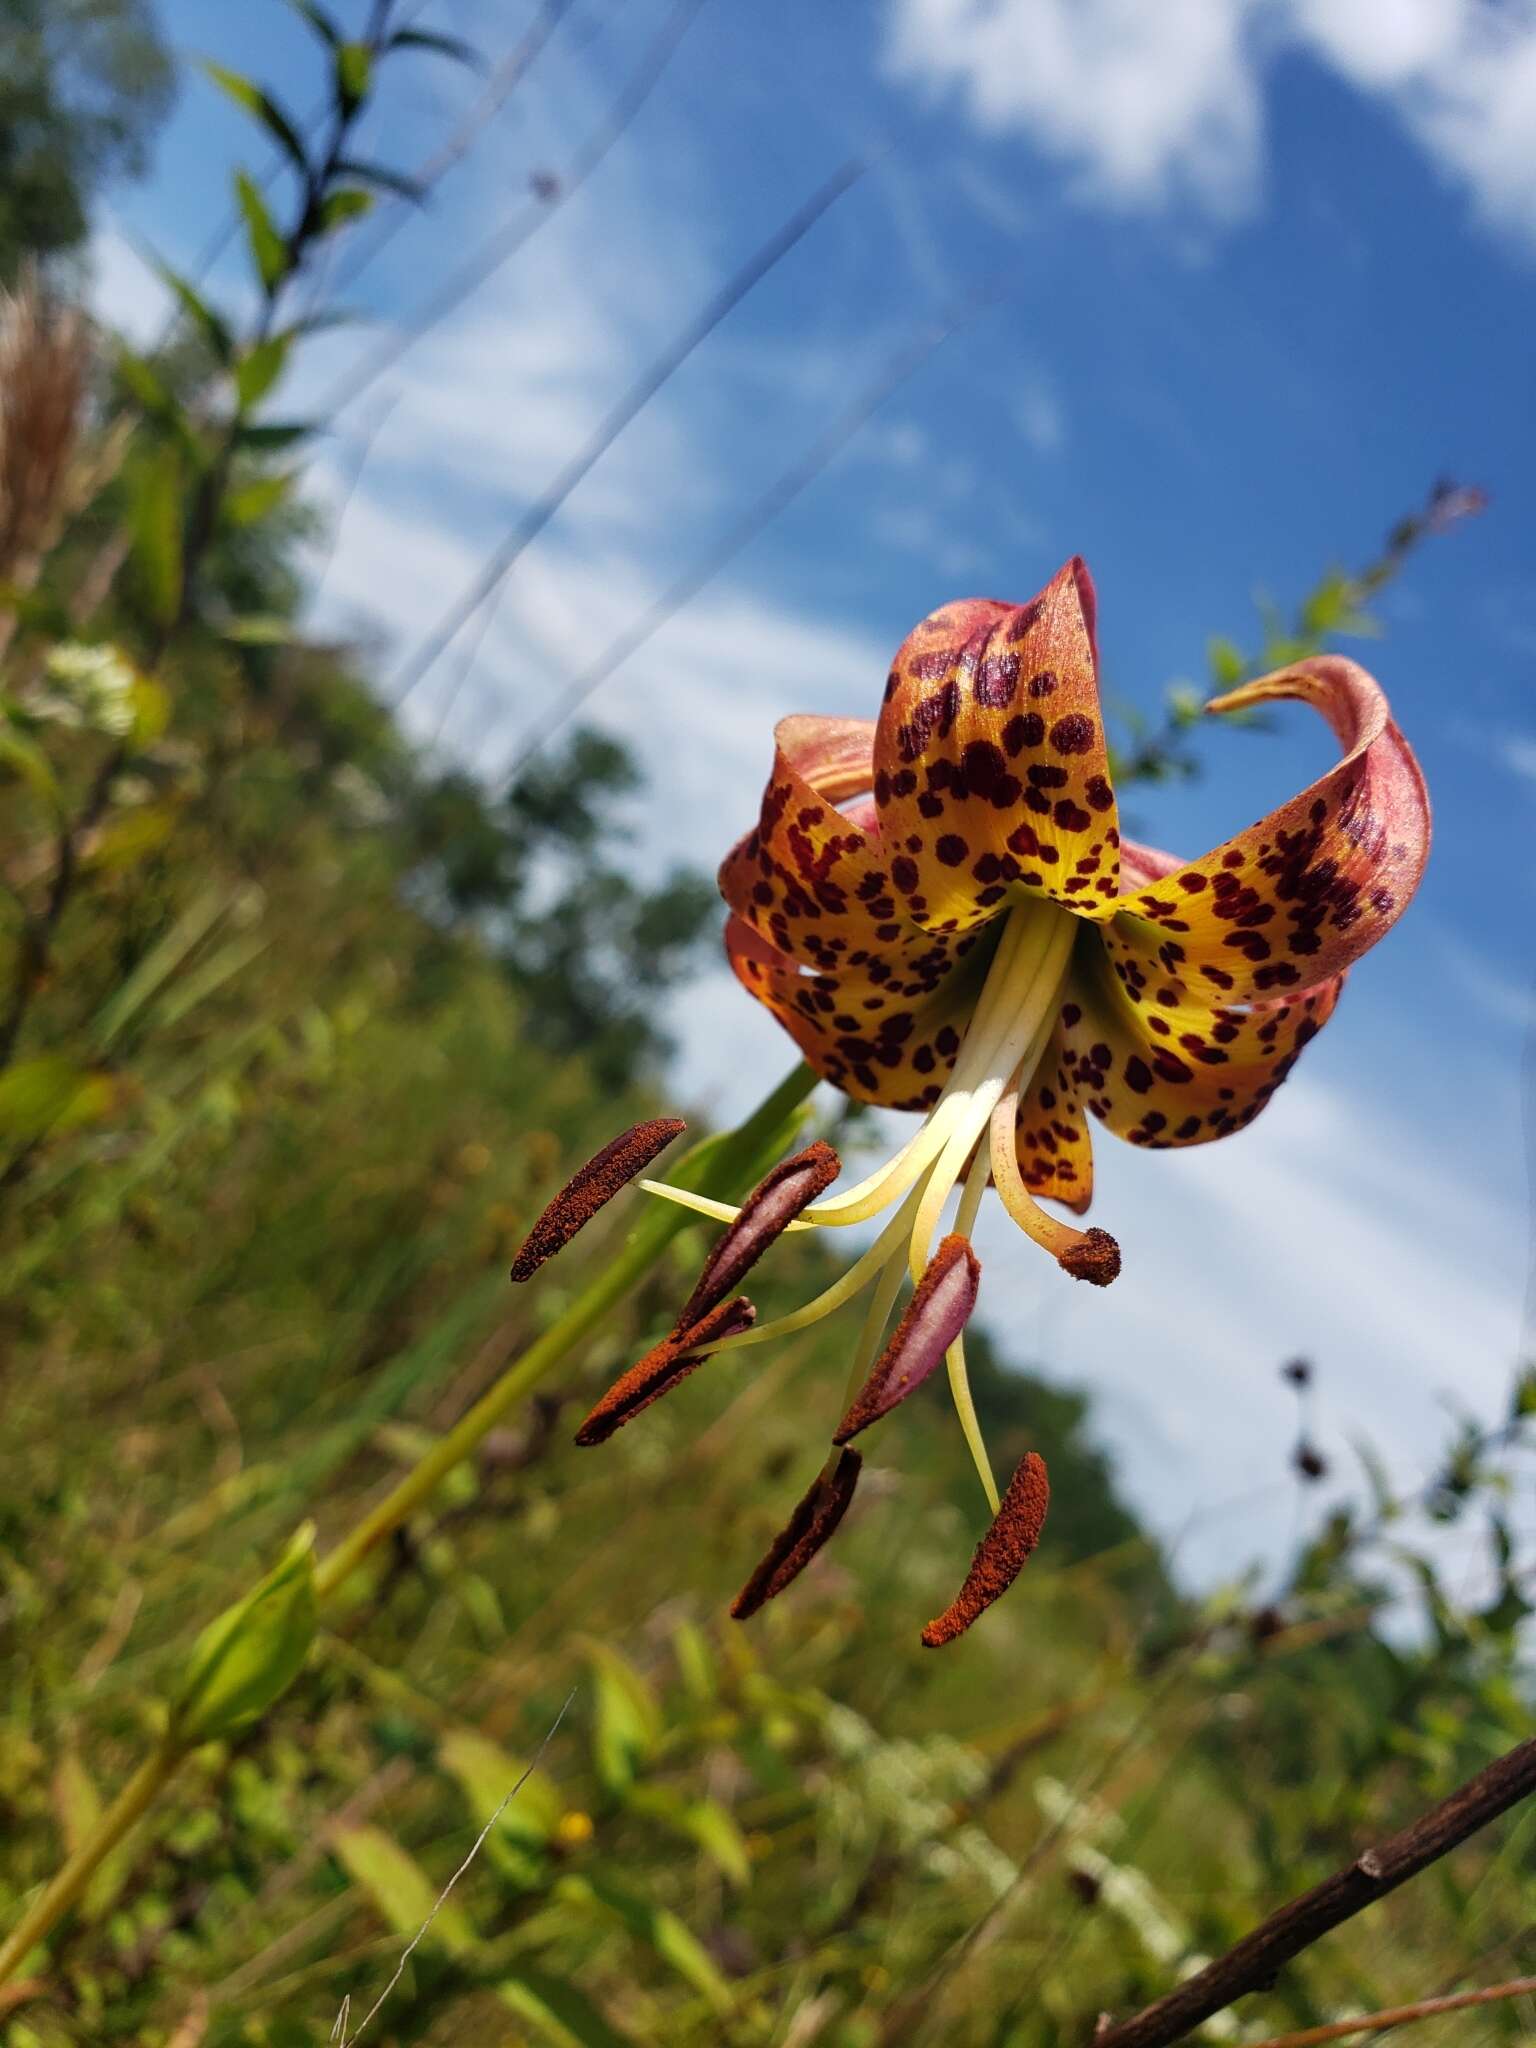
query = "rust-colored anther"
{"x": 934, "y": 1317}
{"x": 591, "y": 1188}
{"x": 662, "y": 1369}
{"x": 1095, "y": 1257}
{"x": 769, "y": 1210}
{"x": 807, "y": 1530}
{"x": 1001, "y": 1554}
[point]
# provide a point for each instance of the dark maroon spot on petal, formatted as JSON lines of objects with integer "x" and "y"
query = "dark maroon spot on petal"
{"x": 951, "y": 849}
{"x": 1073, "y": 734}
{"x": 1099, "y": 793}
{"x": 996, "y": 681}
{"x": 1043, "y": 684}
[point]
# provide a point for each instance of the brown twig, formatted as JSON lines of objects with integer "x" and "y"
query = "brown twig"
{"x": 1400, "y": 2015}
{"x": 1252, "y": 1963}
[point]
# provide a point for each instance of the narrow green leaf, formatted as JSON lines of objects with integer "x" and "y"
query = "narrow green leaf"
{"x": 269, "y": 437}
{"x": 704, "y": 1822}
{"x": 260, "y": 368}
{"x": 52, "y": 1094}
{"x": 659, "y": 1929}
{"x": 130, "y": 838}
{"x": 559, "y": 2012}
{"x": 399, "y": 1889}
{"x": 249, "y": 504}
{"x": 158, "y": 965}
{"x": 263, "y": 108}
{"x": 75, "y": 1799}
{"x": 1227, "y": 664}
{"x": 1383, "y": 1500}
{"x": 346, "y": 203}
{"x": 258, "y": 629}
{"x": 155, "y": 523}
{"x": 626, "y": 1723}
{"x": 487, "y": 1775}
{"x": 209, "y": 323}
{"x": 26, "y": 760}
{"x": 696, "y": 1663}
{"x": 250, "y": 1655}
{"x": 269, "y": 252}
{"x": 443, "y": 45}
{"x": 381, "y": 175}
{"x": 354, "y": 67}
{"x": 144, "y": 385}
{"x": 323, "y": 24}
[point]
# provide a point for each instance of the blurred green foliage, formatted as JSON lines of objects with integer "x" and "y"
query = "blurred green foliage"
{"x": 83, "y": 86}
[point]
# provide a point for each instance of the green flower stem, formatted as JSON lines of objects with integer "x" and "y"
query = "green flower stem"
{"x": 720, "y": 1165}
{"x": 70, "y": 1880}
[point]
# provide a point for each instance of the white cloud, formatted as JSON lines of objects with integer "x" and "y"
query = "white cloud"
{"x": 1039, "y": 413}
{"x": 1518, "y": 753}
{"x": 124, "y": 292}
{"x": 1152, "y": 105}
{"x": 1148, "y": 104}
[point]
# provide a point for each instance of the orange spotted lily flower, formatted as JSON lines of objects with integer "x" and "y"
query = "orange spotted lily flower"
{"x": 938, "y": 906}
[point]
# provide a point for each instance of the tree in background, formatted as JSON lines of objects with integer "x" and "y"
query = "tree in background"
{"x": 83, "y": 86}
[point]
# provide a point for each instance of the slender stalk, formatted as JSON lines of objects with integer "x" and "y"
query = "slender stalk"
{"x": 1401, "y": 2015}
{"x": 723, "y": 1165}
{"x": 1254, "y": 1962}
{"x": 70, "y": 1880}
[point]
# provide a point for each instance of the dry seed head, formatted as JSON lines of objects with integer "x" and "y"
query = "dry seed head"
{"x": 44, "y": 357}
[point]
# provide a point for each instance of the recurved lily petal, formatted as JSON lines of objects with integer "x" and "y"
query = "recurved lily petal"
{"x": 1001, "y": 1554}
{"x": 1161, "y": 1066}
{"x": 809, "y": 1528}
{"x": 1304, "y": 892}
{"x": 939, "y": 1310}
{"x": 767, "y": 1212}
{"x": 807, "y": 878}
{"x": 991, "y": 768}
{"x": 1055, "y": 1150}
{"x": 886, "y": 1025}
{"x": 663, "y": 1368}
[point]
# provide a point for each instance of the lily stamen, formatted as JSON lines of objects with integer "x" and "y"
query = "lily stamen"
{"x": 1001, "y": 1554}
{"x": 768, "y": 1211}
{"x": 1091, "y": 1255}
{"x": 932, "y": 1320}
{"x": 591, "y": 1188}
{"x": 814, "y": 1521}
{"x": 661, "y": 1369}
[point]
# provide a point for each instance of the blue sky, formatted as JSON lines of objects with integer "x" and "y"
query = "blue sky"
{"x": 1263, "y": 271}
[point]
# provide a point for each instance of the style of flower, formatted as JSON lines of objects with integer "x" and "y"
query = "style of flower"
{"x": 940, "y": 909}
